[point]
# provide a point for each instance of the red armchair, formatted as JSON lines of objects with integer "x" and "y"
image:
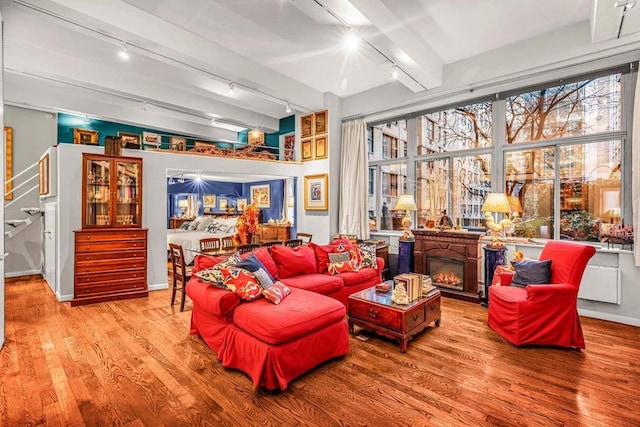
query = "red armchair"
{"x": 545, "y": 314}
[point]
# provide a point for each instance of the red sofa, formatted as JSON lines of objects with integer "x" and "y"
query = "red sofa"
{"x": 271, "y": 343}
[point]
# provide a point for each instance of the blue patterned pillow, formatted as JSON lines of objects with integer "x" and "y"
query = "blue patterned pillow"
{"x": 212, "y": 227}
{"x": 185, "y": 225}
{"x": 214, "y": 274}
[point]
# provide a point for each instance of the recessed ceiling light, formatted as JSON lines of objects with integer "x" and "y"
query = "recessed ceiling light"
{"x": 351, "y": 41}
{"x": 124, "y": 52}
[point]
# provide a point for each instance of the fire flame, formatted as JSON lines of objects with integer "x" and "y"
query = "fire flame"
{"x": 448, "y": 278}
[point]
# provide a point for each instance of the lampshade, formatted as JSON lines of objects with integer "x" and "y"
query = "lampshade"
{"x": 614, "y": 213}
{"x": 406, "y": 202}
{"x": 183, "y": 203}
{"x": 496, "y": 202}
{"x": 514, "y": 203}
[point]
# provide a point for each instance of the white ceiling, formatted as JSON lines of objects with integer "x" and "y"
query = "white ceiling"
{"x": 184, "y": 54}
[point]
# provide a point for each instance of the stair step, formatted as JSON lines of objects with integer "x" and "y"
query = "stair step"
{"x": 15, "y": 222}
{"x": 32, "y": 211}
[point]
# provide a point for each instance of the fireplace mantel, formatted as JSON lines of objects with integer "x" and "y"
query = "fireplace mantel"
{"x": 463, "y": 246}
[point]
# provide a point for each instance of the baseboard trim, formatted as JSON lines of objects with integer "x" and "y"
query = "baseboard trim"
{"x": 158, "y": 286}
{"x": 609, "y": 317}
{"x": 64, "y": 298}
{"x": 26, "y": 273}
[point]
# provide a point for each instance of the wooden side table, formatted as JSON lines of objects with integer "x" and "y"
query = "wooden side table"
{"x": 376, "y": 312}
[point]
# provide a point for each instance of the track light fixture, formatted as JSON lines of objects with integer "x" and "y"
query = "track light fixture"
{"x": 351, "y": 41}
{"x": 145, "y": 106}
{"x": 394, "y": 72}
{"x": 124, "y": 52}
{"x": 213, "y": 121}
{"x": 87, "y": 119}
{"x": 231, "y": 88}
{"x": 171, "y": 180}
{"x": 287, "y": 108}
{"x": 181, "y": 179}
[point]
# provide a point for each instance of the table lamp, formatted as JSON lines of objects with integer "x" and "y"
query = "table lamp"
{"x": 183, "y": 204}
{"x": 614, "y": 215}
{"x": 406, "y": 203}
{"x": 498, "y": 203}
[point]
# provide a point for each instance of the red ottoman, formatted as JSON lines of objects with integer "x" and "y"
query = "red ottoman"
{"x": 274, "y": 344}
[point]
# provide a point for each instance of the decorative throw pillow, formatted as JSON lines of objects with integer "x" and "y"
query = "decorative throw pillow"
{"x": 185, "y": 225}
{"x": 242, "y": 282}
{"x": 276, "y": 293}
{"x": 368, "y": 256}
{"x": 293, "y": 261}
{"x": 193, "y": 225}
{"x": 339, "y": 257}
{"x": 322, "y": 255}
{"x": 352, "y": 250}
{"x": 252, "y": 264}
{"x": 343, "y": 267}
{"x": 264, "y": 278}
{"x": 531, "y": 272}
{"x": 214, "y": 275}
{"x": 212, "y": 227}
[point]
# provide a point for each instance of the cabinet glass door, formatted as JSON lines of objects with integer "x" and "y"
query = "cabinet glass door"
{"x": 128, "y": 193}
{"x": 97, "y": 208}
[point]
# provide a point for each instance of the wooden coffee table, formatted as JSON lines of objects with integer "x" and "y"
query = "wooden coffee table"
{"x": 376, "y": 312}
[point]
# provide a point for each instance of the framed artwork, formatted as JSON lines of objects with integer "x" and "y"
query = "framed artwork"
{"x": 316, "y": 192}
{"x": 519, "y": 162}
{"x": 43, "y": 175}
{"x": 8, "y": 149}
{"x": 289, "y": 144}
{"x": 320, "y": 120}
{"x": 151, "y": 140}
{"x": 306, "y": 126}
{"x": 242, "y": 205}
{"x": 130, "y": 140}
{"x": 85, "y": 136}
{"x": 255, "y": 137}
{"x": 209, "y": 201}
{"x": 320, "y": 147}
{"x": 178, "y": 143}
{"x": 307, "y": 149}
{"x": 260, "y": 195}
{"x": 224, "y": 204}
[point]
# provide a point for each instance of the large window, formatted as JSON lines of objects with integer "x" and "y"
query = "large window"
{"x": 388, "y": 167}
{"x": 557, "y": 149}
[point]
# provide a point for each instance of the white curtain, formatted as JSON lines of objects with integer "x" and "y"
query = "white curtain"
{"x": 353, "y": 172}
{"x": 635, "y": 170}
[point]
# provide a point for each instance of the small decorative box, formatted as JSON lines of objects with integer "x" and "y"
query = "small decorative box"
{"x": 383, "y": 287}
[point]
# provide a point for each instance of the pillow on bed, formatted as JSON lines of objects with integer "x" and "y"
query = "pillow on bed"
{"x": 185, "y": 225}
{"x": 204, "y": 223}
{"x": 212, "y": 227}
{"x": 193, "y": 225}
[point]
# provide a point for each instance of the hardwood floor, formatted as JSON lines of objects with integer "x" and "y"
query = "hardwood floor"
{"x": 133, "y": 363}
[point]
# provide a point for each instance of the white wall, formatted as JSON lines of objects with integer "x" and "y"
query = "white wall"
{"x": 33, "y": 132}
{"x": 154, "y": 202}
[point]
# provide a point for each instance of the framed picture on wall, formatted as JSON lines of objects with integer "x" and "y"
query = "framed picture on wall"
{"x": 242, "y": 205}
{"x": 320, "y": 147}
{"x": 261, "y": 196}
{"x": 307, "y": 149}
{"x": 306, "y": 126}
{"x": 130, "y": 140}
{"x": 151, "y": 140}
{"x": 177, "y": 143}
{"x": 85, "y": 136}
{"x": 320, "y": 120}
{"x": 224, "y": 204}
{"x": 209, "y": 201}
{"x": 255, "y": 137}
{"x": 316, "y": 192}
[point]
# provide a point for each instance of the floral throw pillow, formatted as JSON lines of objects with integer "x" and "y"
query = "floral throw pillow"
{"x": 352, "y": 250}
{"x": 193, "y": 225}
{"x": 185, "y": 225}
{"x": 213, "y": 274}
{"x": 368, "y": 256}
{"x": 212, "y": 227}
{"x": 343, "y": 267}
{"x": 276, "y": 293}
{"x": 242, "y": 282}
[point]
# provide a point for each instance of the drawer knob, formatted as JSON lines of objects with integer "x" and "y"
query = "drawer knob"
{"x": 415, "y": 317}
{"x": 433, "y": 307}
{"x": 88, "y": 237}
{"x": 88, "y": 280}
{"x": 374, "y": 312}
{"x": 135, "y": 275}
{"x": 87, "y": 291}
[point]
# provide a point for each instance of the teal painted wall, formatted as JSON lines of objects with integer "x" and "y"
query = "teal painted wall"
{"x": 67, "y": 122}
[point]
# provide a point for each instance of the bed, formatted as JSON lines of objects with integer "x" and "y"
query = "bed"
{"x": 189, "y": 235}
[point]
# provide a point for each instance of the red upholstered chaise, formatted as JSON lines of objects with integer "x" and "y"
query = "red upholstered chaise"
{"x": 543, "y": 314}
{"x": 271, "y": 343}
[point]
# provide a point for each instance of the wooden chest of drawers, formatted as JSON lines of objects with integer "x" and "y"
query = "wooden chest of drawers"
{"x": 110, "y": 264}
{"x": 274, "y": 232}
